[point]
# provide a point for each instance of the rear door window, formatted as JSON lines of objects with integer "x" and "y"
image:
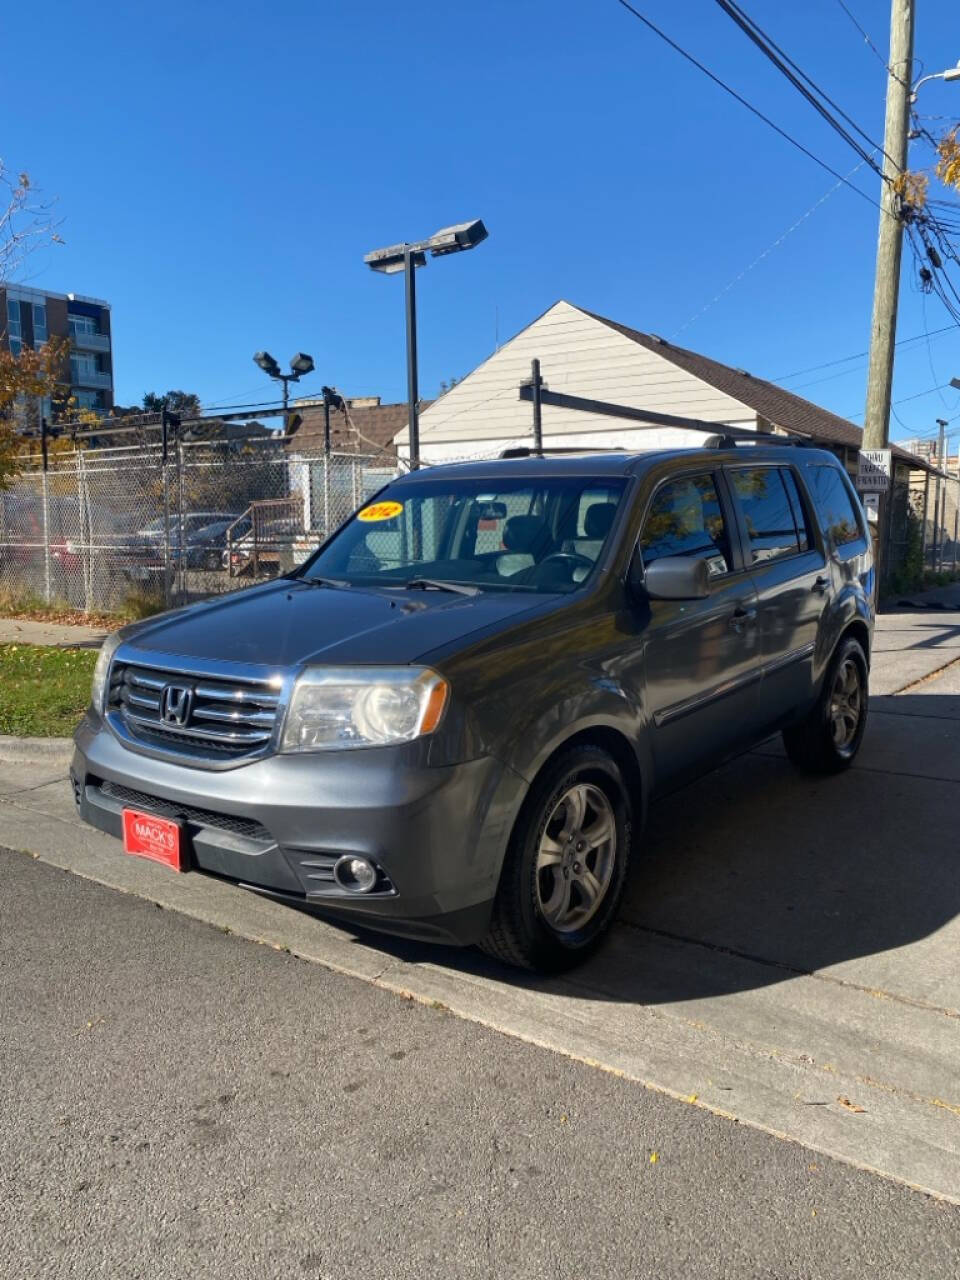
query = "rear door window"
{"x": 686, "y": 519}
{"x": 767, "y": 513}
{"x": 799, "y": 513}
{"x": 835, "y": 507}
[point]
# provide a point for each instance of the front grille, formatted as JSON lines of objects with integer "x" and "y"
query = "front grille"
{"x": 214, "y": 714}
{"x": 132, "y": 799}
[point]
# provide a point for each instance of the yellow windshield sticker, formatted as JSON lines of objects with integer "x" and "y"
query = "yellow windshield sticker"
{"x": 380, "y": 511}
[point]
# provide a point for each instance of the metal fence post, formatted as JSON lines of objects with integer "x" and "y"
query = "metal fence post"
{"x": 326, "y": 496}
{"x": 45, "y": 483}
{"x": 181, "y": 550}
{"x": 86, "y": 536}
{"x": 356, "y": 491}
{"x": 166, "y": 530}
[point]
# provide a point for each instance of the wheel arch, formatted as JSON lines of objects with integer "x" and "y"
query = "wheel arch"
{"x": 618, "y": 746}
{"x": 857, "y": 630}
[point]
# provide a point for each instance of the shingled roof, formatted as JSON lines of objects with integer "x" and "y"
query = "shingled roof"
{"x": 374, "y": 427}
{"x": 780, "y": 408}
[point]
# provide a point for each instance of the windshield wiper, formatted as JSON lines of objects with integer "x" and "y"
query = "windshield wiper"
{"x": 324, "y": 582}
{"x": 434, "y": 584}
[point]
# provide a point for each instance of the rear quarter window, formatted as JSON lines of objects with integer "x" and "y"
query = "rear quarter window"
{"x": 834, "y": 503}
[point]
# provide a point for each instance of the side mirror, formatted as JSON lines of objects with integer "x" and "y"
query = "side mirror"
{"x": 677, "y": 578}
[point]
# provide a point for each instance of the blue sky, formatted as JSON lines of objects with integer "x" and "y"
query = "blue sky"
{"x": 222, "y": 168}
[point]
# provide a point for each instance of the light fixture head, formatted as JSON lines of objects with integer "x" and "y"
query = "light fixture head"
{"x": 455, "y": 239}
{"x": 391, "y": 260}
{"x": 267, "y": 363}
{"x": 301, "y": 363}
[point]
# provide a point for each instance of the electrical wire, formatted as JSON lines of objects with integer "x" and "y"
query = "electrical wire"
{"x": 786, "y": 66}
{"x": 744, "y": 103}
{"x": 860, "y": 355}
{"x": 766, "y": 253}
{"x": 890, "y": 71}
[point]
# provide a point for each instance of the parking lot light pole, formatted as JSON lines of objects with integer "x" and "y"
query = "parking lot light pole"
{"x": 407, "y": 257}
{"x": 300, "y": 365}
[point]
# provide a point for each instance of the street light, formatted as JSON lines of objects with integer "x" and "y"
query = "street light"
{"x": 300, "y": 365}
{"x": 952, "y": 73}
{"x": 406, "y": 258}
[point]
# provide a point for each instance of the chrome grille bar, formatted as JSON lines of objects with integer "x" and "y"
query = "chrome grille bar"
{"x": 232, "y": 716}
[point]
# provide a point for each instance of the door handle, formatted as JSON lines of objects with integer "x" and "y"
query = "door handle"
{"x": 820, "y": 584}
{"x": 741, "y": 617}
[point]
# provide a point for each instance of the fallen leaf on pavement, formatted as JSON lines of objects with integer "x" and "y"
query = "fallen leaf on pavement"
{"x": 851, "y": 1106}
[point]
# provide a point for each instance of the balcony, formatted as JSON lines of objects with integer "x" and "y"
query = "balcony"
{"x": 89, "y": 378}
{"x": 90, "y": 341}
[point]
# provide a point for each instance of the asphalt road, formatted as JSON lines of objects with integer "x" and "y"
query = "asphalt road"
{"x": 177, "y": 1102}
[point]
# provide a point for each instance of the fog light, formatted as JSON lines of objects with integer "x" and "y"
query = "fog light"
{"x": 356, "y": 874}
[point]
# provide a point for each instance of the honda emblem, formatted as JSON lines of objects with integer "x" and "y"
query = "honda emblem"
{"x": 176, "y": 703}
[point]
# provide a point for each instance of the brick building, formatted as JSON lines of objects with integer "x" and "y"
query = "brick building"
{"x": 28, "y": 317}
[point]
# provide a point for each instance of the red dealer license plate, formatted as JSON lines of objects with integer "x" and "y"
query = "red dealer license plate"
{"x": 146, "y": 836}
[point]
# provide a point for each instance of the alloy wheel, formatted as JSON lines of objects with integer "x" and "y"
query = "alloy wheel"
{"x": 846, "y": 704}
{"x": 576, "y": 857}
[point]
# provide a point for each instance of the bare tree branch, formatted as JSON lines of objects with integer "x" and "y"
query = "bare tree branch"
{"x": 26, "y": 221}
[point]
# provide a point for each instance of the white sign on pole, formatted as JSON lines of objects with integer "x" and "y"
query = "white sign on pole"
{"x": 874, "y": 470}
{"x": 871, "y": 504}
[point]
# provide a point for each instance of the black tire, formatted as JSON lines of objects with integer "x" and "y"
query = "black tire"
{"x": 212, "y": 560}
{"x": 813, "y": 745}
{"x": 520, "y": 933}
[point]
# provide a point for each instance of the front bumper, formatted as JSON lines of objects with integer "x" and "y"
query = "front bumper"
{"x": 278, "y": 824}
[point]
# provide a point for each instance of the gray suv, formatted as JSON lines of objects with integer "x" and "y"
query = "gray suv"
{"x": 449, "y": 722}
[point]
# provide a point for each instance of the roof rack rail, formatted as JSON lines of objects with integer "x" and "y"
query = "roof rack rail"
{"x": 531, "y": 451}
{"x": 727, "y": 435}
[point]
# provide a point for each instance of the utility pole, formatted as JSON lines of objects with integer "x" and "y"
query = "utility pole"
{"x": 939, "y": 502}
{"x": 886, "y": 289}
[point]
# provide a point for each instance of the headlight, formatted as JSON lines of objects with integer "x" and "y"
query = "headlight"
{"x": 333, "y": 708}
{"x": 101, "y": 671}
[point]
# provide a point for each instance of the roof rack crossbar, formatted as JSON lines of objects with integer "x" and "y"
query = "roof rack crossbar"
{"x": 531, "y": 451}
{"x": 650, "y": 420}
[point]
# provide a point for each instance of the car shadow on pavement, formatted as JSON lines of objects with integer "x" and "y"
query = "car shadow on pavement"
{"x": 756, "y": 873}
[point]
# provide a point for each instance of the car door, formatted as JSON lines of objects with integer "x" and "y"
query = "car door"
{"x": 700, "y": 658}
{"x": 792, "y": 578}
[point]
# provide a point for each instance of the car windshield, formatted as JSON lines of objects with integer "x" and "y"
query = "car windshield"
{"x": 536, "y": 535}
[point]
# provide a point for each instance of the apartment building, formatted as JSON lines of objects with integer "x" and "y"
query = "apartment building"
{"x": 28, "y": 317}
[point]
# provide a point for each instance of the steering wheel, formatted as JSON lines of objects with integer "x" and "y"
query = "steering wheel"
{"x": 573, "y": 558}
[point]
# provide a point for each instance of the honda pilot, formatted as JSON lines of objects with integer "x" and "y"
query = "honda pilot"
{"x": 448, "y": 723}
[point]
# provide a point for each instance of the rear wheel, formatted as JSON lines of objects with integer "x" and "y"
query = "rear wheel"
{"x": 564, "y": 871}
{"x": 828, "y": 740}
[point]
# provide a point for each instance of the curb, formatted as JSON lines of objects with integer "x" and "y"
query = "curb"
{"x": 35, "y": 750}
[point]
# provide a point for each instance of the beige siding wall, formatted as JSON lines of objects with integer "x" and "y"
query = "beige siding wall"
{"x": 581, "y": 356}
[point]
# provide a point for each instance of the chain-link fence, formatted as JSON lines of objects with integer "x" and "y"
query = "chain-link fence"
{"x": 935, "y": 504}
{"x": 101, "y": 526}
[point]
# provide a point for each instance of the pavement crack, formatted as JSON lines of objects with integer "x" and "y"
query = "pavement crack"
{"x": 878, "y": 993}
{"x": 37, "y": 786}
{"x": 931, "y": 675}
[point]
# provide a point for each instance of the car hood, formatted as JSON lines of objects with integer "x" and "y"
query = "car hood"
{"x": 287, "y": 623}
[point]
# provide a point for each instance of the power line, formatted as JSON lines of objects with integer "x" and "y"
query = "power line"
{"x": 890, "y": 71}
{"x": 743, "y": 101}
{"x": 783, "y": 62}
{"x": 860, "y": 355}
{"x": 906, "y": 399}
{"x": 766, "y": 253}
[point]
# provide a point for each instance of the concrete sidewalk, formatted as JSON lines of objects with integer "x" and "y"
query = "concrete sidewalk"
{"x": 786, "y": 954}
{"x": 60, "y": 635}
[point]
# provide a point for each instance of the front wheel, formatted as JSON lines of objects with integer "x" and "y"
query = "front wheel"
{"x": 828, "y": 740}
{"x": 566, "y": 865}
